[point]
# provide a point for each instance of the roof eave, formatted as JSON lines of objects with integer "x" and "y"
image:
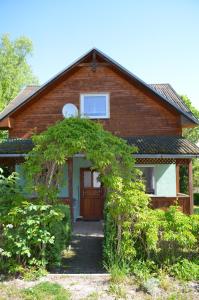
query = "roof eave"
{"x": 139, "y": 155}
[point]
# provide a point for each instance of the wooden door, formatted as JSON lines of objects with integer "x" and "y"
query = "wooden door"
{"x": 92, "y": 195}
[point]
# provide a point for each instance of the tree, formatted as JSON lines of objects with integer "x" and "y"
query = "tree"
{"x": 15, "y": 72}
{"x": 191, "y": 134}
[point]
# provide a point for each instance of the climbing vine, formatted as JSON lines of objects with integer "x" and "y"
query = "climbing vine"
{"x": 135, "y": 235}
{"x": 108, "y": 154}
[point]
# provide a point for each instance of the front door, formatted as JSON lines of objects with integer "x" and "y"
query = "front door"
{"x": 92, "y": 196}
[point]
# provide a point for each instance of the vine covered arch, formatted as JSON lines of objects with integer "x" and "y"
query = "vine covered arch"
{"x": 111, "y": 156}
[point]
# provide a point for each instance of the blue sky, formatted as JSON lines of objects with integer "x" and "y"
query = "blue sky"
{"x": 156, "y": 40}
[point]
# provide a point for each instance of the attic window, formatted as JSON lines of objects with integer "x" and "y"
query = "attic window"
{"x": 95, "y": 106}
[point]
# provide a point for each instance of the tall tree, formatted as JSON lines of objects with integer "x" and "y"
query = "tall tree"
{"x": 15, "y": 72}
{"x": 191, "y": 134}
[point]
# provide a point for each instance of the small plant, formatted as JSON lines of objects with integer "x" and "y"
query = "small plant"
{"x": 118, "y": 290}
{"x": 46, "y": 290}
{"x": 118, "y": 274}
{"x": 33, "y": 273}
{"x": 166, "y": 283}
{"x": 143, "y": 270}
{"x": 151, "y": 286}
{"x": 179, "y": 296}
{"x": 93, "y": 296}
{"x": 185, "y": 270}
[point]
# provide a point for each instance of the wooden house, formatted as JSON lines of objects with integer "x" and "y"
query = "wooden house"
{"x": 149, "y": 116}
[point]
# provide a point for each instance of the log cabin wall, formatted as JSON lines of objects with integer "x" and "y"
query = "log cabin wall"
{"x": 133, "y": 112}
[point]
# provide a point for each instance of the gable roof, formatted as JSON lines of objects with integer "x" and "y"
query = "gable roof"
{"x": 164, "y": 92}
{"x": 23, "y": 95}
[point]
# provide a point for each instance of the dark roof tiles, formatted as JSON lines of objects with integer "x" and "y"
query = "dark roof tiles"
{"x": 19, "y": 99}
{"x": 145, "y": 145}
{"x": 163, "y": 145}
{"x": 16, "y": 146}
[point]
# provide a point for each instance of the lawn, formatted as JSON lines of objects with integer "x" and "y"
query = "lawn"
{"x": 44, "y": 290}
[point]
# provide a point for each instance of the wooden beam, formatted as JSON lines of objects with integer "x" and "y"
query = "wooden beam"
{"x": 94, "y": 62}
{"x": 190, "y": 182}
{"x": 177, "y": 178}
{"x": 6, "y": 123}
{"x": 99, "y": 64}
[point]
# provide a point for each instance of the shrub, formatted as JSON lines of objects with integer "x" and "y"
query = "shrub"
{"x": 32, "y": 235}
{"x": 28, "y": 235}
{"x": 159, "y": 239}
{"x": 61, "y": 230}
{"x": 185, "y": 270}
{"x": 10, "y": 193}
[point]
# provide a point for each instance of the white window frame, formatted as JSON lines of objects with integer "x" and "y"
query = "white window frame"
{"x": 106, "y": 116}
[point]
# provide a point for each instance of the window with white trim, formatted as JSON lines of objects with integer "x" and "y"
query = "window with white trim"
{"x": 95, "y": 106}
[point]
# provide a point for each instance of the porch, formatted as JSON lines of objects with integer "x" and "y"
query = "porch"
{"x": 165, "y": 179}
{"x": 159, "y": 157}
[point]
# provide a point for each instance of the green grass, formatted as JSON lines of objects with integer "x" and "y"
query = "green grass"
{"x": 196, "y": 209}
{"x": 46, "y": 290}
{"x": 8, "y": 292}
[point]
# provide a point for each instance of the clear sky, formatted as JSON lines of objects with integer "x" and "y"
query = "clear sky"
{"x": 157, "y": 40}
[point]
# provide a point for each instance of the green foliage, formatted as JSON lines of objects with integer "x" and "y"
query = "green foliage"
{"x": 196, "y": 198}
{"x": 143, "y": 270}
{"x": 46, "y": 290}
{"x": 196, "y": 210}
{"x": 196, "y": 172}
{"x": 185, "y": 270}
{"x": 32, "y": 273}
{"x": 118, "y": 274}
{"x": 61, "y": 230}
{"x": 32, "y": 235}
{"x": 15, "y": 72}
{"x": 10, "y": 193}
{"x": 109, "y": 155}
{"x": 159, "y": 240}
{"x": 191, "y": 134}
{"x": 184, "y": 179}
{"x": 137, "y": 239}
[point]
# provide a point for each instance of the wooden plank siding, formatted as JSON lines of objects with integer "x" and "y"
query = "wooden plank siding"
{"x": 133, "y": 112}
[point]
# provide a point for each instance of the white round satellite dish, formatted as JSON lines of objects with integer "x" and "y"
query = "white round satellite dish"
{"x": 69, "y": 110}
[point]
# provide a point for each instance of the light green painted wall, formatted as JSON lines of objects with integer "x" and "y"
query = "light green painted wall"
{"x": 63, "y": 185}
{"x": 78, "y": 162}
{"x": 165, "y": 180}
